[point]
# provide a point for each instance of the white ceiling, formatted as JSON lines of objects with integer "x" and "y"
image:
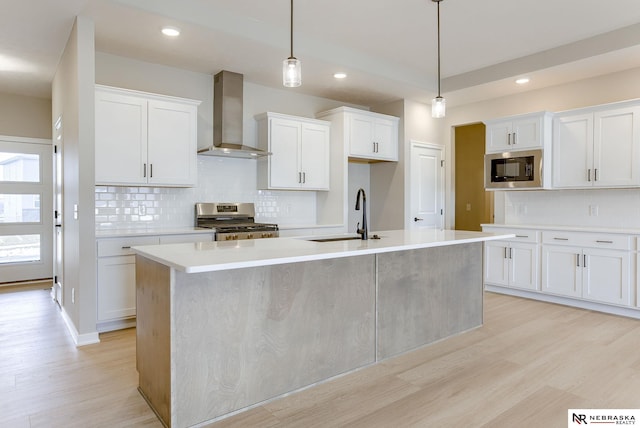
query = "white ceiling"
{"x": 388, "y": 48}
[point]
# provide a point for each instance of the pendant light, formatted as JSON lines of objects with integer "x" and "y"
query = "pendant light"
{"x": 291, "y": 67}
{"x": 438, "y": 104}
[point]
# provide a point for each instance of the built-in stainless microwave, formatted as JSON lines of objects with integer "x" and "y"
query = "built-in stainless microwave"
{"x": 513, "y": 170}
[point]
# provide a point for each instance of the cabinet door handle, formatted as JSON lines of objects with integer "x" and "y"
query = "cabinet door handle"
{"x": 584, "y": 260}
{"x": 509, "y": 138}
{"x": 150, "y": 170}
{"x": 589, "y": 174}
{"x": 300, "y": 177}
{"x": 514, "y": 138}
{"x": 578, "y": 260}
{"x": 561, "y": 239}
{"x": 374, "y": 147}
{"x": 304, "y": 177}
{"x": 510, "y": 253}
{"x": 505, "y": 252}
{"x": 595, "y": 174}
{"x": 144, "y": 171}
{"x": 604, "y": 242}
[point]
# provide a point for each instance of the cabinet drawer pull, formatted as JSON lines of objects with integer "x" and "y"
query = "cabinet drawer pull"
{"x": 595, "y": 174}
{"x": 561, "y": 239}
{"x": 589, "y": 174}
{"x": 522, "y": 236}
{"x": 505, "y": 252}
{"x": 578, "y": 260}
{"x": 150, "y": 170}
{"x": 126, "y": 247}
{"x": 509, "y": 138}
{"x": 604, "y": 242}
{"x": 304, "y": 177}
{"x": 300, "y": 177}
{"x": 144, "y": 171}
{"x": 584, "y": 260}
{"x": 514, "y": 138}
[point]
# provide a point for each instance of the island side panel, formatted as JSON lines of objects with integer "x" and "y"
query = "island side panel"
{"x": 426, "y": 295}
{"x": 246, "y": 335}
{"x": 153, "y": 338}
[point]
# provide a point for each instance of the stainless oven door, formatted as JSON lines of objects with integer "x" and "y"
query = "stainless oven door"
{"x": 513, "y": 170}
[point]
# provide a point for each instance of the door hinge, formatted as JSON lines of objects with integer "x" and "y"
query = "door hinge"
{"x": 441, "y": 163}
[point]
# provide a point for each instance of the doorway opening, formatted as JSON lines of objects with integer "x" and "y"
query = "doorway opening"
{"x": 473, "y": 205}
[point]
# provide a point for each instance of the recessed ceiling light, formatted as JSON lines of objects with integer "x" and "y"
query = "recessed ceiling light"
{"x": 340, "y": 75}
{"x": 171, "y": 31}
{"x": 522, "y": 80}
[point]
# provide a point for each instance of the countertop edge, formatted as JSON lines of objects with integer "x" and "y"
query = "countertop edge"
{"x": 326, "y": 254}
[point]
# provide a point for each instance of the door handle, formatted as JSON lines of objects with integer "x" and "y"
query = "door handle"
{"x": 417, "y": 219}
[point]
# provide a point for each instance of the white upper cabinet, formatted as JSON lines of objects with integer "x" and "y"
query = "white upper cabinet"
{"x": 300, "y": 150}
{"x": 597, "y": 147}
{"x": 145, "y": 139}
{"x": 523, "y": 132}
{"x": 367, "y": 135}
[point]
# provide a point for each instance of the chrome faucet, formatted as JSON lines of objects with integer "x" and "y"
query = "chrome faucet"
{"x": 363, "y": 232}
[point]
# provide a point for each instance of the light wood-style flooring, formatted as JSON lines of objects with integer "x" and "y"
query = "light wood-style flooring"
{"x": 525, "y": 367}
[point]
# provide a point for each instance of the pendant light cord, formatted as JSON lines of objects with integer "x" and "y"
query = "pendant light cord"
{"x": 291, "y": 38}
{"x": 438, "y": 5}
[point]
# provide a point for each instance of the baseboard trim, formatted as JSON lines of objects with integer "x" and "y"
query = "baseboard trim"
{"x": 79, "y": 339}
{"x": 567, "y": 301}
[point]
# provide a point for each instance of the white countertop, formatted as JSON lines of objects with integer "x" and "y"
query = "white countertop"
{"x": 149, "y": 231}
{"x": 565, "y": 228}
{"x": 224, "y": 255}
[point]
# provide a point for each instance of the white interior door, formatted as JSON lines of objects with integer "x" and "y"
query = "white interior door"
{"x": 57, "y": 213}
{"x": 26, "y": 220}
{"x": 427, "y": 186}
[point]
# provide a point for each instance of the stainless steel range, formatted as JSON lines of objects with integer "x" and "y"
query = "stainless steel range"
{"x": 232, "y": 221}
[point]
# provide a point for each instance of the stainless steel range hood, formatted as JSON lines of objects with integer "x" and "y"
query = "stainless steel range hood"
{"x": 227, "y": 119}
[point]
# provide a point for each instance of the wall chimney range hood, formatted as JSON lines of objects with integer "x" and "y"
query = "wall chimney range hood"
{"x": 227, "y": 119}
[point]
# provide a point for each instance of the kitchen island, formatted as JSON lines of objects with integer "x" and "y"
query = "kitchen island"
{"x": 223, "y": 326}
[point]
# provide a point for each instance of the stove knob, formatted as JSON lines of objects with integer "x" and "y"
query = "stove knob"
{"x": 235, "y": 237}
{"x": 228, "y": 238}
{"x": 250, "y": 236}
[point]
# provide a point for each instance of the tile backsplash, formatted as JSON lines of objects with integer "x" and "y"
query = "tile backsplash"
{"x": 609, "y": 208}
{"x": 219, "y": 180}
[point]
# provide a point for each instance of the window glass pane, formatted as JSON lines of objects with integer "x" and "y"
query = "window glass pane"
{"x": 19, "y": 248}
{"x": 19, "y": 208}
{"x": 20, "y": 167}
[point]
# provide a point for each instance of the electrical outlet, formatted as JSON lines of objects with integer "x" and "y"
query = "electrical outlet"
{"x": 468, "y": 206}
{"x": 73, "y": 296}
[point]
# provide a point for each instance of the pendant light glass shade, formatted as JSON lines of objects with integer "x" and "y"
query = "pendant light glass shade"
{"x": 291, "y": 72}
{"x": 291, "y": 67}
{"x": 438, "y": 104}
{"x": 438, "y": 107}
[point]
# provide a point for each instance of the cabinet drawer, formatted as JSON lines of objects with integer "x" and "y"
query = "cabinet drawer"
{"x": 591, "y": 240}
{"x": 122, "y": 246}
{"x": 181, "y": 239}
{"x": 522, "y": 235}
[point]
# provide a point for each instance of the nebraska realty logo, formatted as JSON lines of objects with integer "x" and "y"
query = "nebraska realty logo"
{"x": 599, "y": 417}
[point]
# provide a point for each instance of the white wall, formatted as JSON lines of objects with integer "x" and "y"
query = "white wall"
{"x": 569, "y": 206}
{"x": 23, "y": 116}
{"x": 73, "y": 100}
{"x": 219, "y": 179}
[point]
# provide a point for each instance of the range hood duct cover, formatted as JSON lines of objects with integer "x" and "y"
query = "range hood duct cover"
{"x": 227, "y": 119}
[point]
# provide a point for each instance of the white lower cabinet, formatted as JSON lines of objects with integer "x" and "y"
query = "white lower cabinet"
{"x": 600, "y": 272}
{"x": 515, "y": 262}
{"x": 512, "y": 264}
{"x": 116, "y": 276}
